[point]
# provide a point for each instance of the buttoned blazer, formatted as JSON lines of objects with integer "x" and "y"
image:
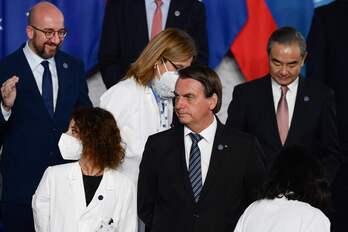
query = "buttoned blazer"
{"x": 313, "y": 122}
{"x": 59, "y": 203}
{"x": 165, "y": 197}
{"x": 31, "y": 135}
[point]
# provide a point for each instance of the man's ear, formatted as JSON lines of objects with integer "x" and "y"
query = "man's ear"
{"x": 304, "y": 59}
{"x": 30, "y": 32}
{"x": 213, "y": 101}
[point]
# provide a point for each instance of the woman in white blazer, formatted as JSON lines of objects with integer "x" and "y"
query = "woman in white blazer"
{"x": 142, "y": 101}
{"x": 91, "y": 194}
{"x": 294, "y": 196}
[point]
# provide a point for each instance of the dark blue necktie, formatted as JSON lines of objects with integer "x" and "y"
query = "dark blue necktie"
{"x": 195, "y": 166}
{"x": 47, "y": 88}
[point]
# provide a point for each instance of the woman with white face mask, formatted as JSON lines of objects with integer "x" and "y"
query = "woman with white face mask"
{"x": 90, "y": 194}
{"x": 142, "y": 102}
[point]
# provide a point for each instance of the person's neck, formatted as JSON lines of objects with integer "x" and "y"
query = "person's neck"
{"x": 88, "y": 168}
{"x": 198, "y": 128}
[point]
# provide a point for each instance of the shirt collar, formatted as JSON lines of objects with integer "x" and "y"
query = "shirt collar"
{"x": 208, "y": 133}
{"x": 291, "y": 87}
{"x": 153, "y": 1}
{"x": 34, "y": 59}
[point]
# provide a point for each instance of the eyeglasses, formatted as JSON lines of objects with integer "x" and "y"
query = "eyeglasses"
{"x": 177, "y": 68}
{"x": 49, "y": 33}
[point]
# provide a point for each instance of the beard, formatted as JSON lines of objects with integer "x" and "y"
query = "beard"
{"x": 46, "y": 50}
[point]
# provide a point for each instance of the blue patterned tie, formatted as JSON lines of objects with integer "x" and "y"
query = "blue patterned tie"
{"x": 195, "y": 166}
{"x": 47, "y": 88}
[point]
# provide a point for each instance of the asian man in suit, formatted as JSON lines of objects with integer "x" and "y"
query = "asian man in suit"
{"x": 129, "y": 25}
{"x": 40, "y": 88}
{"x": 283, "y": 108}
{"x": 198, "y": 177}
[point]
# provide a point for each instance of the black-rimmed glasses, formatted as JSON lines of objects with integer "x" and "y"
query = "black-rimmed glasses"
{"x": 49, "y": 33}
{"x": 174, "y": 65}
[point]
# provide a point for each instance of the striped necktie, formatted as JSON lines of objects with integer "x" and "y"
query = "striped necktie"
{"x": 195, "y": 166}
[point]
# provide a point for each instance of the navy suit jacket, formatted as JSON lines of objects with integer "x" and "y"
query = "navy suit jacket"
{"x": 312, "y": 126}
{"x": 165, "y": 197}
{"x": 31, "y": 135}
{"x": 125, "y": 33}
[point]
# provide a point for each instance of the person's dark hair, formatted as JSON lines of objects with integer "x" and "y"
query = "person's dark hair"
{"x": 287, "y": 36}
{"x": 298, "y": 175}
{"x": 208, "y": 78}
{"x": 100, "y": 136}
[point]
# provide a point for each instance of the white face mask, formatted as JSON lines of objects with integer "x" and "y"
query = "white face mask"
{"x": 70, "y": 147}
{"x": 165, "y": 85}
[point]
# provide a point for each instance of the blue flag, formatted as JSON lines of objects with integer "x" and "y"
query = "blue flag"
{"x": 83, "y": 20}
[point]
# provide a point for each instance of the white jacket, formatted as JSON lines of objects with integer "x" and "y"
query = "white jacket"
{"x": 59, "y": 203}
{"x": 137, "y": 115}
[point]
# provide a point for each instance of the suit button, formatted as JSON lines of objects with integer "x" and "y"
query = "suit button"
{"x": 196, "y": 215}
{"x": 54, "y": 130}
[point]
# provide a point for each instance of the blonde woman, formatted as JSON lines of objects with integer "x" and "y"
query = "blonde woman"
{"x": 142, "y": 101}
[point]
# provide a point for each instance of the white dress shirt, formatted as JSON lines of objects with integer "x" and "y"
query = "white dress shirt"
{"x": 205, "y": 146}
{"x": 35, "y": 65}
{"x": 290, "y": 96}
{"x": 37, "y": 69}
{"x": 150, "y": 10}
{"x": 281, "y": 214}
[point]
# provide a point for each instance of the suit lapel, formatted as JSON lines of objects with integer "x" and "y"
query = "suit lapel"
{"x": 179, "y": 148}
{"x": 28, "y": 84}
{"x": 105, "y": 185}
{"x": 138, "y": 10}
{"x": 77, "y": 189}
{"x": 216, "y": 158}
{"x": 175, "y": 11}
{"x": 65, "y": 83}
{"x": 299, "y": 113}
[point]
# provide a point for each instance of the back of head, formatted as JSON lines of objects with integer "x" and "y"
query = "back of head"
{"x": 100, "y": 136}
{"x": 171, "y": 44}
{"x": 209, "y": 80}
{"x": 298, "y": 175}
{"x": 287, "y": 36}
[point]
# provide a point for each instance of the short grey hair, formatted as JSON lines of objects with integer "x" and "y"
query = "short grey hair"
{"x": 286, "y": 36}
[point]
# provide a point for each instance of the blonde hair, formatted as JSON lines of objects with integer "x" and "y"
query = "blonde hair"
{"x": 171, "y": 44}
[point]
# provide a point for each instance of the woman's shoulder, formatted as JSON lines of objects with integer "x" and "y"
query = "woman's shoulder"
{"x": 119, "y": 178}
{"x": 123, "y": 89}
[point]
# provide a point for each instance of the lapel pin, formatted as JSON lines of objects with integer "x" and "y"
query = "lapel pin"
{"x": 220, "y": 147}
{"x": 177, "y": 13}
{"x": 65, "y": 65}
{"x": 306, "y": 98}
{"x": 100, "y": 197}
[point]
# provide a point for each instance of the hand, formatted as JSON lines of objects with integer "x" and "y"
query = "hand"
{"x": 9, "y": 92}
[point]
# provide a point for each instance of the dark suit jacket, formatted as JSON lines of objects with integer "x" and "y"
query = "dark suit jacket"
{"x": 125, "y": 33}
{"x": 31, "y": 135}
{"x": 165, "y": 197}
{"x": 313, "y": 121}
{"x": 327, "y": 57}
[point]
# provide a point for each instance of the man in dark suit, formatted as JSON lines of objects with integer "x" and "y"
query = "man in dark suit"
{"x": 328, "y": 49}
{"x": 128, "y": 27}
{"x": 283, "y": 108}
{"x": 198, "y": 176}
{"x": 41, "y": 87}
